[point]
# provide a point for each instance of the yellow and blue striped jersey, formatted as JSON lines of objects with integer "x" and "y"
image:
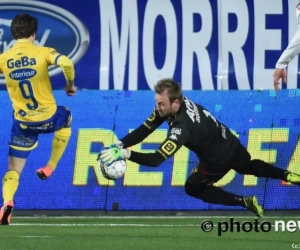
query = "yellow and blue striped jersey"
{"x": 25, "y": 67}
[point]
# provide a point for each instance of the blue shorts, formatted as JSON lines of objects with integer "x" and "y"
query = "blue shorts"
{"x": 24, "y": 135}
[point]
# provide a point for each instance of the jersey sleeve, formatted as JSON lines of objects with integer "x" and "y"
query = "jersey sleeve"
{"x": 54, "y": 58}
{"x": 139, "y": 134}
{"x": 293, "y": 49}
{"x": 154, "y": 120}
{"x": 177, "y": 137}
{"x": 290, "y": 52}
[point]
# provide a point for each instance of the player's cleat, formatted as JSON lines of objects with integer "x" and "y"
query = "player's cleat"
{"x": 292, "y": 178}
{"x": 6, "y": 212}
{"x": 45, "y": 172}
{"x": 252, "y": 205}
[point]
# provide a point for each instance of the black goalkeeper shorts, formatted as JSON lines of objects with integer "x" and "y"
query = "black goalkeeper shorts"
{"x": 207, "y": 173}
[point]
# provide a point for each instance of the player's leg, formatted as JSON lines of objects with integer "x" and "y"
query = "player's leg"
{"x": 10, "y": 184}
{"x": 62, "y": 124}
{"x": 259, "y": 168}
{"x": 17, "y": 157}
{"x": 200, "y": 185}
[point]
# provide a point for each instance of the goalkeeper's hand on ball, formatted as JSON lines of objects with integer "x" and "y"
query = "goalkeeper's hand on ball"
{"x": 108, "y": 155}
{"x": 119, "y": 144}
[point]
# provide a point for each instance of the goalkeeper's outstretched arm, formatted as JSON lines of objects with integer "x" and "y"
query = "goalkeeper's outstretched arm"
{"x": 139, "y": 134}
{"x": 136, "y": 136}
{"x": 167, "y": 149}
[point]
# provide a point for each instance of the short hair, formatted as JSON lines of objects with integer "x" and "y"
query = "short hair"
{"x": 169, "y": 85}
{"x": 24, "y": 26}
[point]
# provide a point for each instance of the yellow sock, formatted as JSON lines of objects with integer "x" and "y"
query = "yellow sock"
{"x": 59, "y": 145}
{"x": 10, "y": 185}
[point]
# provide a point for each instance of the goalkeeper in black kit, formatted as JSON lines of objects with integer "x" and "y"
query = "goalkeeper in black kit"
{"x": 218, "y": 150}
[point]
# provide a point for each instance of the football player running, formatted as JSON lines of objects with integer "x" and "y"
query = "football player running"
{"x": 25, "y": 67}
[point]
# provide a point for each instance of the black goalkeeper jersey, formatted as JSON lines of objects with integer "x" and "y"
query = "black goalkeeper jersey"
{"x": 193, "y": 127}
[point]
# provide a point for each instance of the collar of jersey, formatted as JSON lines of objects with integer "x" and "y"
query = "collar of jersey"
{"x": 22, "y": 41}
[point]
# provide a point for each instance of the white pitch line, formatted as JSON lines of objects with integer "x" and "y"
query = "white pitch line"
{"x": 108, "y": 225}
{"x": 101, "y": 225}
{"x": 35, "y": 236}
{"x": 152, "y": 217}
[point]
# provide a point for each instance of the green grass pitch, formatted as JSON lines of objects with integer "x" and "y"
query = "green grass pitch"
{"x": 153, "y": 233}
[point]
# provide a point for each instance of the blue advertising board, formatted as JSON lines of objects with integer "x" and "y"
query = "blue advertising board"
{"x": 130, "y": 44}
{"x": 267, "y": 124}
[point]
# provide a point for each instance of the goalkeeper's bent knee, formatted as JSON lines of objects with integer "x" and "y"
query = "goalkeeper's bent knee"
{"x": 192, "y": 189}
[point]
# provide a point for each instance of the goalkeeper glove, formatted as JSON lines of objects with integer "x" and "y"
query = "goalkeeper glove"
{"x": 119, "y": 144}
{"x": 108, "y": 155}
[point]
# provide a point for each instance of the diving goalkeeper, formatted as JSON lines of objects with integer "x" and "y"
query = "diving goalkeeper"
{"x": 194, "y": 127}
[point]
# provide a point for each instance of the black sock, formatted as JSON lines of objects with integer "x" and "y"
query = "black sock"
{"x": 262, "y": 169}
{"x": 216, "y": 195}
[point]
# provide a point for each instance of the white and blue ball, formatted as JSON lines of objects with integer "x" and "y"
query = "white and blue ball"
{"x": 113, "y": 171}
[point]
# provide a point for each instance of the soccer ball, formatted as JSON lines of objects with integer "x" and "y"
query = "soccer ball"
{"x": 114, "y": 171}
